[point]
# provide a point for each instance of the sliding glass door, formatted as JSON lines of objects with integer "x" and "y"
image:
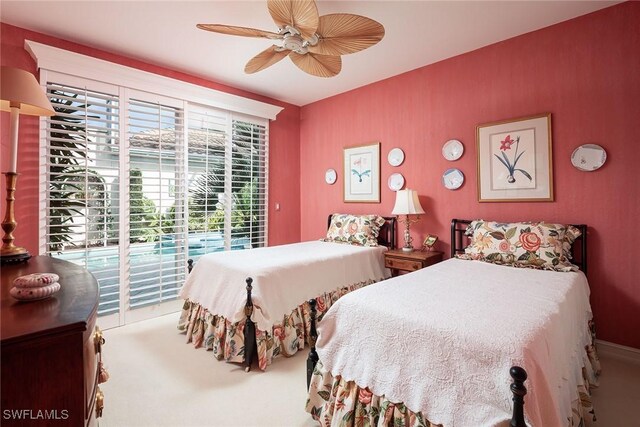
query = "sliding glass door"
{"x": 136, "y": 184}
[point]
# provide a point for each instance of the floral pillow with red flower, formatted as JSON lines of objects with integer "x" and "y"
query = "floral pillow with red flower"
{"x": 360, "y": 230}
{"x": 522, "y": 244}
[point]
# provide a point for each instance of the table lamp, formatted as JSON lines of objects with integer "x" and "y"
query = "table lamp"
{"x": 20, "y": 93}
{"x": 407, "y": 203}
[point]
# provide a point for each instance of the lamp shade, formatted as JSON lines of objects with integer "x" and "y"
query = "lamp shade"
{"x": 407, "y": 203}
{"x": 19, "y": 88}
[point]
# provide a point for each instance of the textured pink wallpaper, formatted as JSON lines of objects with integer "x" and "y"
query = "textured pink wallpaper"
{"x": 585, "y": 72}
{"x": 284, "y": 186}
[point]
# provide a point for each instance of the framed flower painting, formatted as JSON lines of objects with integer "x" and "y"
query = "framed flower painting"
{"x": 362, "y": 173}
{"x": 514, "y": 160}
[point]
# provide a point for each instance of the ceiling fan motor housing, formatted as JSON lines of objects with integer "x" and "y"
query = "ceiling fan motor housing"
{"x": 295, "y": 43}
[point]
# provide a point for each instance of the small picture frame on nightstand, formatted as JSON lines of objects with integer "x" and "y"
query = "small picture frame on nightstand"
{"x": 429, "y": 241}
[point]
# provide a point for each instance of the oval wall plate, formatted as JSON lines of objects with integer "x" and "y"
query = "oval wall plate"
{"x": 396, "y": 182}
{"x": 452, "y": 179}
{"x": 588, "y": 157}
{"x": 330, "y": 176}
{"x": 452, "y": 150}
{"x": 395, "y": 157}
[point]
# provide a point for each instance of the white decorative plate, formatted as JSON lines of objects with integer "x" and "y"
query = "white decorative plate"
{"x": 35, "y": 280}
{"x": 452, "y": 150}
{"x": 395, "y": 157}
{"x": 330, "y": 176}
{"x": 452, "y": 179}
{"x": 32, "y": 294}
{"x": 396, "y": 182}
{"x": 588, "y": 157}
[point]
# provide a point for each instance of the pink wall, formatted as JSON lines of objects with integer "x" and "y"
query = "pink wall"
{"x": 585, "y": 72}
{"x": 284, "y": 159}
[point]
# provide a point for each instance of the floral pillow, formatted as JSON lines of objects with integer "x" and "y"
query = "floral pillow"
{"x": 360, "y": 230}
{"x": 522, "y": 244}
{"x": 570, "y": 235}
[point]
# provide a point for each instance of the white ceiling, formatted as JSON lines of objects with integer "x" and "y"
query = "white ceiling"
{"x": 418, "y": 33}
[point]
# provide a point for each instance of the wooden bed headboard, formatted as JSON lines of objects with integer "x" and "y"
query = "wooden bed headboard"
{"x": 459, "y": 241}
{"x": 387, "y": 236}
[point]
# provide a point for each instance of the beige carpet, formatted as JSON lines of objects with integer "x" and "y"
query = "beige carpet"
{"x": 158, "y": 380}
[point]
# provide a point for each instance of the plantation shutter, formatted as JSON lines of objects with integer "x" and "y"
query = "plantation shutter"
{"x": 137, "y": 183}
{"x": 82, "y": 152}
{"x": 248, "y": 183}
{"x": 157, "y": 226}
{"x": 227, "y": 163}
{"x": 206, "y": 147}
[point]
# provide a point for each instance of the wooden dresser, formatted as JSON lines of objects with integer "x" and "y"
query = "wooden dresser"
{"x": 50, "y": 349}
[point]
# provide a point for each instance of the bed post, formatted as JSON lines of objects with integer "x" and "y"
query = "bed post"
{"x": 189, "y": 265}
{"x": 249, "y": 329}
{"x": 518, "y": 389}
{"x": 312, "y": 359}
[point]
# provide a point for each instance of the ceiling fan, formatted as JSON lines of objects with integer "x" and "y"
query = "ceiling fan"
{"x": 314, "y": 43}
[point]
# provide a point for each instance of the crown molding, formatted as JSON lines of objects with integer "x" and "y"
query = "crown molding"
{"x": 76, "y": 64}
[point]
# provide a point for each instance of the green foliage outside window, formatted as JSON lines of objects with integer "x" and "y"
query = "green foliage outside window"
{"x": 71, "y": 184}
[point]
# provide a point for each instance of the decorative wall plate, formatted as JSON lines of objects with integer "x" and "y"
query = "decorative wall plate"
{"x": 588, "y": 157}
{"x": 396, "y": 182}
{"x": 452, "y": 150}
{"x": 330, "y": 176}
{"x": 395, "y": 157}
{"x": 452, "y": 179}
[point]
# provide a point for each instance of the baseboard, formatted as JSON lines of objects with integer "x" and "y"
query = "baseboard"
{"x": 618, "y": 351}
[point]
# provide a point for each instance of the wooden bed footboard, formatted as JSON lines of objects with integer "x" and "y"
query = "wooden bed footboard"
{"x": 518, "y": 374}
{"x": 250, "y": 344}
{"x": 312, "y": 359}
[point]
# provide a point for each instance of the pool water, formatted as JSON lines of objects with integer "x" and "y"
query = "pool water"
{"x": 155, "y": 271}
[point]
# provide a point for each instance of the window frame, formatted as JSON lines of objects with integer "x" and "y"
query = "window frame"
{"x": 67, "y": 68}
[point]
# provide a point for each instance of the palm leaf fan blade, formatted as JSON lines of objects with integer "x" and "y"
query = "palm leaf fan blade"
{"x": 316, "y": 64}
{"x": 238, "y": 31}
{"x": 265, "y": 59}
{"x": 343, "y": 33}
{"x": 299, "y": 14}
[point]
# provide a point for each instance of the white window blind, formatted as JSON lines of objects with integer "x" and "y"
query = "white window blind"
{"x": 228, "y": 182}
{"x": 207, "y": 140}
{"x": 248, "y": 184}
{"x": 82, "y": 176}
{"x": 156, "y": 203}
{"x": 138, "y": 183}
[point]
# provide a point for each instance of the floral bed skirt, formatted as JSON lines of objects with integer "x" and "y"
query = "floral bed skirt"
{"x": 340, "y": 403}
{"x": 226, "y": 339}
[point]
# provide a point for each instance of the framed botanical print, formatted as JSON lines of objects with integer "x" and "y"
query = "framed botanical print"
{"x": 362, "y": 174}
{"x": 514, "y": 160}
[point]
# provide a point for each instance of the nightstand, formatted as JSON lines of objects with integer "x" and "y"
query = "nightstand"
{"x": 397, "y": 260}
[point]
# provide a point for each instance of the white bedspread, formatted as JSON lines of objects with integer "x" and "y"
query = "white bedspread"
{"x": 442, "y": 341}
{"x": 283, "y": 277}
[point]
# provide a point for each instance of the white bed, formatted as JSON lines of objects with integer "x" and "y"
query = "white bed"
{"x": 434, "y": 347}
{"x": 283, "y": 279}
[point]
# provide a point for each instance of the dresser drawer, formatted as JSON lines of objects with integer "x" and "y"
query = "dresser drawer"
{"x": 91, "y": 359}
{"x": 402, "y": 264}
